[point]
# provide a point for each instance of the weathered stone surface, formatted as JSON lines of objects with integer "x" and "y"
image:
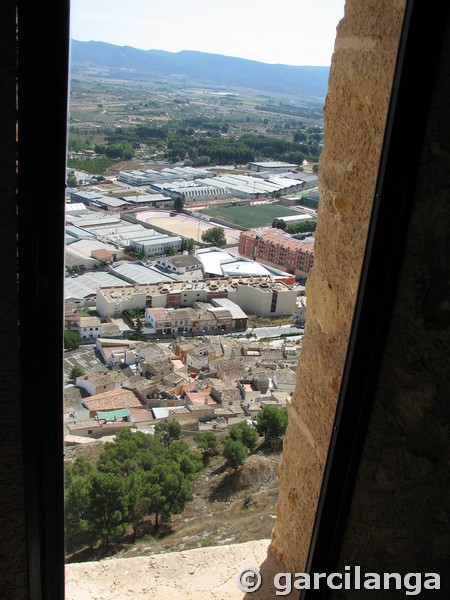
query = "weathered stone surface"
{"x": 201, "y": 574}
{"x": 355, "y": 114}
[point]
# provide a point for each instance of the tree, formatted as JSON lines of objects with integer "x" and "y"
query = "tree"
{"x": 234, "y": 452}
{"x": 72, "y": 340}
{"x": 302, "y": 226}
{"x": 168, "y": 490}
{"x": 189, "y": 461}
{"x": 170, "y": 250}
{"x": 279, "y": 224}
{"x": 245, "y": 433}
{"x": 299, "y": 136}
{"x": 178, "y": 204}
{"x": 207, "y": 442}
{"x": 75, "y": 371}
{"x": 131, "y": 452}
{"x": 168, "y": 431}
{"x": 107, "y": 511}
{"x": 76, "y": 504}
{"x": 134, "y": 477}
{"x": 137, "y": 503}
{"x": 189, "y": 245}
{"x": 137, "y": 332}
{"x": 272, "y": 422}
{"x": 71, "y": 180}
{"x": 214, "y": 236}
{"x": 315, "y": 168}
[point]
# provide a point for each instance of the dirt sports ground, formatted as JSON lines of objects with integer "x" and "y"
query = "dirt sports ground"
{"x": 185, "y": 225}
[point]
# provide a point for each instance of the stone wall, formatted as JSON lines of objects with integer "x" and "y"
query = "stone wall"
{"x": 355, "y": 113}
{"x": 400, "y": 513}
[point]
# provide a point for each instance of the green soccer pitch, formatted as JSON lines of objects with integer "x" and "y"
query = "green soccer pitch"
{"x": 255, "y": 215}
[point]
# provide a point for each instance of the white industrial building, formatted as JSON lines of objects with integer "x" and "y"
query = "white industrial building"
{"x": 84, "y": 197}
{"x": 82, "y": 289}
{"x": 137, "y": 272}
{"x": 149, "y": 176}
{"x": 76, "y": 209}
{"x": 93, "y": 219}
{"x": 297, "y": 218}
{"x": 272, "y": 166}
{"x": 80, "y": 253}
{"x": 156, "y": 244}
{"x": 217, "y": 262}
{"x": 248, "y": 186}
{"x": 191, "y": 184}
{"x": 74, "y": 234}
{"x": 181, "y": 264}
{"x": 153, "y": 200}
{"x": 190, "y": 191}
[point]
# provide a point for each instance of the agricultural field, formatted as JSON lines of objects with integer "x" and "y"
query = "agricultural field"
{"x": 255, "y": 215}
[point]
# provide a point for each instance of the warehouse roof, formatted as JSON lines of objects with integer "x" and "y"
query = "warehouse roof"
{"x": 87, "y": 284}
{"x": 139, "y": 273}
{"x": 112, "y": 202}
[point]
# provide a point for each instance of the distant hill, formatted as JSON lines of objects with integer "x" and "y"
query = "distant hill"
{"x": 213, "y": 69}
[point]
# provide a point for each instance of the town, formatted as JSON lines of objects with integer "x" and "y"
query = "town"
{"x": 190, "y": 228}
{"x": 165, "y": 320}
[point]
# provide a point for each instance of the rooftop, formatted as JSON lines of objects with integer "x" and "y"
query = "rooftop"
{"x": 112, "y": 400}
{"x": 87, "y": 423}
{"x": 160, "y": 314}
{"x": 160, "y": 412}
{"x": 72, "y": 207}
{"x": 220, "y": 262}
{"x": 120, "y": 293}
{"x": 225, "y": 303}
{"x": 180, "y": 410}
{"x": 83, "y": 248}
{"x": 184, "y": 261}
{"x": 274, "y": 164}
{"x": 90, "y": 322}
{"x": 109, "y": 328}
{"x": 86, "y": 285}
{"x": 102, "y": 378}
{"x": 135, "y": 272}
{"x": 199, "y": 407}
{"x": 140, "y": 414}
{"x": 112, "y": 202}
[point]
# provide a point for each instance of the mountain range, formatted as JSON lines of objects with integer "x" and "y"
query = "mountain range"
{"x": 198, "y": 67}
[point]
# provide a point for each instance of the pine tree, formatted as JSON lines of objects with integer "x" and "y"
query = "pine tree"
{"x": 137, "y": 332}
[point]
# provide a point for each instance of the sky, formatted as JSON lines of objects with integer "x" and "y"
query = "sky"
{"x": 290, "y": 32}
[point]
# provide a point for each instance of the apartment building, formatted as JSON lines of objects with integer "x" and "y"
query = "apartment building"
{"x": 277, "y": 248}
{"x": 258, "y": 295}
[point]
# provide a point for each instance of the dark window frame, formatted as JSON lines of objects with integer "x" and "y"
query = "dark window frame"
{"x": 42, "y": 78}
{"x": 43, "y": 66}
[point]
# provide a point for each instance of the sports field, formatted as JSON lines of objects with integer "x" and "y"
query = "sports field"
{"x": 185, "y": 225}
{"x": 254, "y": 215}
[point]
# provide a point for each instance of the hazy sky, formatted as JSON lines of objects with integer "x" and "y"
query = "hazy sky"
{"x": 292, "y": 32}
